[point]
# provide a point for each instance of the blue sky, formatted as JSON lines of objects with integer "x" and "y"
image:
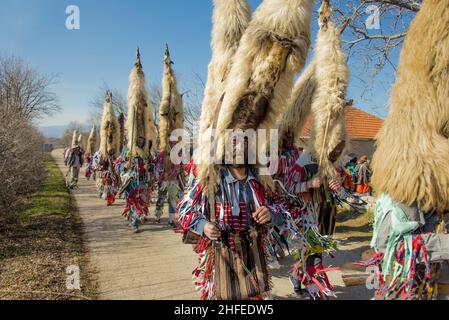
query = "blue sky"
{"x": 103, "y": 50}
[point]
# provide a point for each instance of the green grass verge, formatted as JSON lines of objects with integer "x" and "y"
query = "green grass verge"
{"x": 52, "y": 199}
{"x": 40, "y": 240}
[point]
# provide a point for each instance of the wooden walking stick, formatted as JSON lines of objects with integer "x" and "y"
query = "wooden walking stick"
{"x": 325, "y": 183}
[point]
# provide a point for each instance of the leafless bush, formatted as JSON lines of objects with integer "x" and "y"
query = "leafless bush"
{"x": 25, "y": 95}
{"x": 21, "y": 158}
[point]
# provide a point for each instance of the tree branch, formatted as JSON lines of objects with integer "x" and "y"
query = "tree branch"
{"x": 410, "y": 5}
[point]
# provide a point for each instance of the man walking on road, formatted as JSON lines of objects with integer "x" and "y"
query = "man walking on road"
{"x": 75, "y": 162}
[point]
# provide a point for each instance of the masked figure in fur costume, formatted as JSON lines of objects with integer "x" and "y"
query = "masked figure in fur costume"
{"x": 74, "y": 160}
{"x": 411, "y": 167}
{"x": 290, "y": 126}
{"x": 107, "y": 179}
{"x": 232, "y": 209}
{"x": 169, "y": 176}
{"x": 136, "y": 162}
{"x": 90, "y": 152}
{"x": 313, "y": 182}
{"x": 230, "y": 20}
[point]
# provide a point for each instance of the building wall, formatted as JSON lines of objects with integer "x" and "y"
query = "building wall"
{"x": 357, "y": 147}
{"x": 362, "y": 147}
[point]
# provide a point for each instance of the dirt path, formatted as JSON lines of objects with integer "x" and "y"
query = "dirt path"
{"x": 154, "y": 264}
{"x": 150, "y": 265}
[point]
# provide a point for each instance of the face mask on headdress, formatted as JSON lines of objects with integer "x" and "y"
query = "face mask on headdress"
{"x": 143, "y": 142}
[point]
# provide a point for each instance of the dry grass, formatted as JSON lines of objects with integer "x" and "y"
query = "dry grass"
{"x": 39, "y": 242}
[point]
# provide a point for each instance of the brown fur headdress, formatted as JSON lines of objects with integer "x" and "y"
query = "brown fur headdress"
{"x": 411, "y": 162}
{"x": 75, "y": 138}
{"x": 109, "y": 131}
{"x": 140, "y": 118}
{"x": 272, "y": 50}
{"x": 230, "y": 20}
{"x": 171, "y": 110}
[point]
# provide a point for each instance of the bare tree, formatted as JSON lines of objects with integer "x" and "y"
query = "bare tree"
{"x": 374, "y": 28}
{"x": 119, "y": 102}
{"x": 155, "y": 97}
{"x": 21, "y": 157}
{"x": 25, "y": 95}
{"x": 373, "y": 32}
{"x": 193, "y": 99}
{"x": 25, "y": 90}
{"x": 68, "y": 133}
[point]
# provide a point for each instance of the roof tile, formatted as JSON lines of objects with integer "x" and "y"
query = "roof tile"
{"x": 359, "y": 124}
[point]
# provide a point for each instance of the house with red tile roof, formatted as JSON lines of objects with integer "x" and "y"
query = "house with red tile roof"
{"x": 361, "y": 128}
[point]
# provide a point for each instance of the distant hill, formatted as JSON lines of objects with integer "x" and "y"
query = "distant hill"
{"x": 58, "y": 131}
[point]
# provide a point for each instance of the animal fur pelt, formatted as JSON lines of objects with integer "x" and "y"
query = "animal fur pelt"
{"x": 121, "y": 123}
{"x": 230, "y": 20}
{"x": 92, "y": 141}
{"x": 328, "y": 107}
{"x": 140, "y": 119}
{"x": 411, "y": 161}
{"x": 272, "y": 50}
{"x": 109, "y": 130}
{"x": 300, "y": 104}
{"x": 75, "y": 138}
{"x": 171, "y": 110}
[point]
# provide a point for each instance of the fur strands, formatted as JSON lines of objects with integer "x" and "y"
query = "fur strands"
{"x": 140, "y": 119}
{"x": 92, "y": 141}
{"x": 411, "y": 161}
{"x": 171, "y": 109}
{"x": 230, "y": 20}
{"x": 328, "y": 107}
{"x": 109, "y": 131}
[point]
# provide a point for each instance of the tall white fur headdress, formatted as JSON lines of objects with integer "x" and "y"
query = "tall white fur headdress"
{"x": 92, "y": 141}
{"x": 230, "y": 20}
{"x": 272, "y": 50}
{"x": 75, "y": 138}
{"x": 299, "y": 104}
{"x": 329, "y": 103}
{"x": 109, "y": 131}
{"x": 140, "y": 122}
{"x": 171, "y": 109}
